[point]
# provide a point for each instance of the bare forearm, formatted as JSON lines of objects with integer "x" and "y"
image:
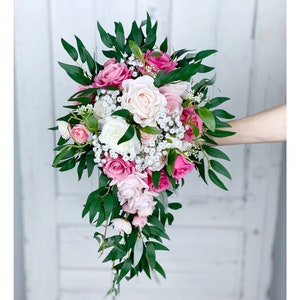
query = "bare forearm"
{"x": 264, "y": 127}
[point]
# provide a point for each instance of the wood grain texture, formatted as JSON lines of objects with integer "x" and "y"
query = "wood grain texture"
{"x": 221, "y": 242}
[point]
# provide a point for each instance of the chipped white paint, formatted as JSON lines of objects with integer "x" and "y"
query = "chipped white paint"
{"x": 221, "y": 242}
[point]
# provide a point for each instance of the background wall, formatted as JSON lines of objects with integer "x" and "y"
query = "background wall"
{"x": 221, "y": 243}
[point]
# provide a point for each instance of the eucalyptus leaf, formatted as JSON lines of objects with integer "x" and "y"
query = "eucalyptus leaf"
{"x": 138, "y": 251}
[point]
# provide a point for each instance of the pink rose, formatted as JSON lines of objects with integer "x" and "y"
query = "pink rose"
{"x": 112, "y": 74}
{"x": 143, "y": 100}
{"x": 139, "y": 221}
{"x": 182, "y": 167}
{"x": 156, "y": 61}
{"x": 147, "y": 138}
{"x": 122, "y": 225}
{"x": 131, "y": 187}
{"x": 117, "y": 168}
{"x": 163, "y": 183}
{"x": 174, "y": 101}
{"x": 189, "y": 118}
{"x": 79, "y": 133}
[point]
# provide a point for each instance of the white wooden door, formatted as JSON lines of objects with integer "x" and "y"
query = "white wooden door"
{"x": 221, "y": 242}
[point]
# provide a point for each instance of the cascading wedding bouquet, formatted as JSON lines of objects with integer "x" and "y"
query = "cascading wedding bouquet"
{"x": 144, "y": 124}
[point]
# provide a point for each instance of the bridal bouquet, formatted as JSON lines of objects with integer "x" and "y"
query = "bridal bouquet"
{"x": 144, "y": 124}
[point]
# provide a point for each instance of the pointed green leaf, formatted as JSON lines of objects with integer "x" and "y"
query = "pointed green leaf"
{"x": 70, "y": 49}
{"x": 137, "y": 251}
{"x": 205, "y": 53}
{"x": 218, "y": 167}
{"x": 127, "y": 135}
{"x": 215, "y": 179}
{"x": 207, "y": 117}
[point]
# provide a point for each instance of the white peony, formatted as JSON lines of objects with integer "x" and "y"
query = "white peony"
{"x": 113, "y": 129}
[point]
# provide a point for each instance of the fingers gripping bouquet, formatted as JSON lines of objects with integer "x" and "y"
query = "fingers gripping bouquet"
{"x": 144, "y": 124}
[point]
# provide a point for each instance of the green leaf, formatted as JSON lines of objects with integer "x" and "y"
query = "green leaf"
{"x": 85, "y": 55}
{"x": 105, "y": 37}
{"x": 135, "y": 49}
{"x": 103, "y": 180}
{"x": 216, "y": 101}
{"x": 136, "y": 34}
{"x": 175, "y": 205}
{"x": 120, "y": 37}
{"x": 81, "y": 166}
{"x": 108, "y": 203}
{"x": 207, "y": 117}
{"x": 164, "y": 45}
{"x": 218, "y": 167}
{"x": 160, "y": 270}
{"x": 127, "y": 135}
{"x": 163, "y": 199}
{"x": 122, "y": 113}
{"x": 67, "y": 152}
{"x": 215, "y": 179}
{"x": 156, "y": 222}
{"x": 172, "y": 155}
{"x": 151, "y": 37}
{"x": 68, "y": 165}
{"x": 125, "y": 269}
{"x": 155, "y": 178}
{"x": 216, "y": 153}
{"x": 158, "y": 246}
{"x": 205, "y": 53}
{"x": 94, "y": 208}
{"x": 201, "y": 168}
{"x": 76, "y": 73}
{"x": 90, "y": 163}
{"x": 150, "y": 130}
{"x": 114, "y": 254}
{"x": 70, "y": 49}
{"x": 221, "y": 113}
{"x": 137, "y": 251}
{"x": 220, "y": 133}
{"x": 150, "y": 253}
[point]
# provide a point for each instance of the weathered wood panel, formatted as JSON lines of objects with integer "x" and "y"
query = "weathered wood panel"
{"x": 228, "y": 235}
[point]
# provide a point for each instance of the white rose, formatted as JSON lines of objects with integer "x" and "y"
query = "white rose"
{"x": 64, "y": 129}
{"x": 99, "y": 109}
{"x": 143, "y": 100}
{"x": 113, "y": 129}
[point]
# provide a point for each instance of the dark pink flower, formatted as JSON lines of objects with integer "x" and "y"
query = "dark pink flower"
{"x": 182, "y": 167}
{"x": 117, "y": 168}
{"x": 113, "y": 74}
{"x": 190, "y": 118}
{"x": 156, "y": 61}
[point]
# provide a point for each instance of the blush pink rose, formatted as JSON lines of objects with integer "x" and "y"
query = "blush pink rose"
{"x": 174, "y": 101}
{"x": 143, "y": 100}
{"x": 112, "y": 74}
{"x": 117, "y": 168}
{"x": 156, "y": 61}
{"x": 147, "y": 138}
{"x": 79, "y": 133}
{"x": 142, "y": 205}
{"x": 189, "y": 118}
{"x": 131, "y": 188}
{"x": 139, "y": 221}
{"x": 163, "y": 184}
{"x": 182, "y": 167}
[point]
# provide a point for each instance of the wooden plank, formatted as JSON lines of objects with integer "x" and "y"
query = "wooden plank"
{"x": 268, "y": 89}
{"x": 33, "y": 83}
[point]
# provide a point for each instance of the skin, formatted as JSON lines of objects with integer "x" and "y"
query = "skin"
{"x": 264, "y": 127}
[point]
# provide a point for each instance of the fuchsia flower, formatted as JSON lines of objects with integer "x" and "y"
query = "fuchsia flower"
{"x": 113, "y": 74}
{"x": 189, "y": 118}
{"x": 156, "y": 61}
{"x": 163, "y": 184}
{"x": 182, "y": 167}
{"x": 79, "y": 133}
{"x": 117, "y": 168}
